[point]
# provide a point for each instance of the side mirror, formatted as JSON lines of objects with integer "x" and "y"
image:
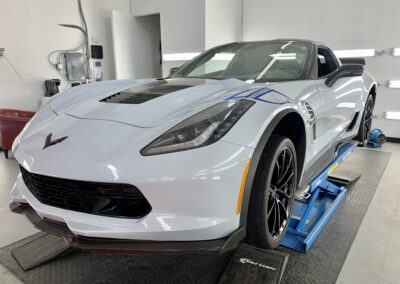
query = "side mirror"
{"x": 346, "y": 70}
{"x": 173, "y": 70}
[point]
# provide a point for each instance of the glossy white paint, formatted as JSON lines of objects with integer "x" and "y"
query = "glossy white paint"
{"x": 185, "y": 196}
{"x": 193, "y": 193}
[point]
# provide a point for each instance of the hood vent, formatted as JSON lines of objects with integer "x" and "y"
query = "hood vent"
{"x": 132, "y": 96}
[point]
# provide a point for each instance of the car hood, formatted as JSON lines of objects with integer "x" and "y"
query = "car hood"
{"x": 146, "y": 103}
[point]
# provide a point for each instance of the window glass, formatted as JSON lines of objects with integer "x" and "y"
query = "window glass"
{"x": 259, "y": 61}
{"x": 217, "y": 63}
{"x": 326, "y": 62}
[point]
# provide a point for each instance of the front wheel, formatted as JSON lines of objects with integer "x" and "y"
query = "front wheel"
{"x": 272, "y": 194}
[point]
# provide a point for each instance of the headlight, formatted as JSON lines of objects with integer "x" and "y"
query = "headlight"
{"x": 201, "y": 129}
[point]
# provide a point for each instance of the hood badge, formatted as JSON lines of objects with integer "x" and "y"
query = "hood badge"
{"x": 48, "y": 142}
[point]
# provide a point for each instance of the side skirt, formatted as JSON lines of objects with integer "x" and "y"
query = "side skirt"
{"x": 322, "y": 162}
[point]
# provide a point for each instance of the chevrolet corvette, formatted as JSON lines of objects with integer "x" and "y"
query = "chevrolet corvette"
{"x": 212, "y": 154}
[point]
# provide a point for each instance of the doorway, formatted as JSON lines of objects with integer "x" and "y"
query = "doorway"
{"x": 148, "y": 46}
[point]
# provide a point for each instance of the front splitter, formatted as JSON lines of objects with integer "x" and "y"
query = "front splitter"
{"x": 122, "y": 246}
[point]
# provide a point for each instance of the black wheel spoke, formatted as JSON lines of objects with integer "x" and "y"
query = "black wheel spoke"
{"x": 285, "y": 193}
{"x": 270, "y": 210}
{"x": 286, "y": 170}
{"x": 273, "y": 226}
{"x": 280, "y": 192}
{"x": 278, "y": 169}
{"x": 287, "y": 180}
{"x": 277, "y": 229}
{"x": 284, "y": 209}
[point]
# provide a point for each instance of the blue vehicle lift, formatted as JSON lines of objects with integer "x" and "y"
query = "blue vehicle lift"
{"x": 310, "y": 217}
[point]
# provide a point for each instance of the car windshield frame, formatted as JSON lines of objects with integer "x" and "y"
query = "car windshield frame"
{"x": 239, "y": 50}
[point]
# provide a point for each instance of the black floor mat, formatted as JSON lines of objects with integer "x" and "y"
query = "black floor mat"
{"x": 253, "y": 265}
{"x": 322, "y": 264}
{"x": 40, "y": 250}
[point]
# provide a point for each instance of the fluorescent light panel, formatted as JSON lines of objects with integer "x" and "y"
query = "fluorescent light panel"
{"x": 396, "y": 51}
{"x": 180, "y": 56}
{"x": 350, "y": 53}
{"x": 394, "y": 84}
{"x": 392, "y": 115}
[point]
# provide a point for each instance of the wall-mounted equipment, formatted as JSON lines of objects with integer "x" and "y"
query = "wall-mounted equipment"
{"x": 97, "y": 56}
{"x": 98, "y": 70}
{"x": 52, "y": 87}
{"x": 75, "y": 66}
{"x": 96, "y": 51}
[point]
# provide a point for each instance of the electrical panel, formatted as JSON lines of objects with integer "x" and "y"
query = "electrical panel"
{"x": 98, "y": 70}
{"x": 75, "y": 66}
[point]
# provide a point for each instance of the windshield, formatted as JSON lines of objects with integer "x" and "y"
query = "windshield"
{"x": 259, "y": 61}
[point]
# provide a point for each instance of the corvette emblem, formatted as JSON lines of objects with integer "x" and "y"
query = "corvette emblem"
{"x": 48, "y": 142}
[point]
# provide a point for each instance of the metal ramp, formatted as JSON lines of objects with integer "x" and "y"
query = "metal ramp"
{"x": 310, "y": 217}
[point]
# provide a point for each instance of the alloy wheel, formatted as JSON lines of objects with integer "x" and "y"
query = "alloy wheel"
{"x": 368, "y": 119}
{"x": 280, "y": 191}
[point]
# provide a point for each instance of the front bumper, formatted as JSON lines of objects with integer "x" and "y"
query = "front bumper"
{"x": 191, "y": 201}
{"x": 127, "y": 246}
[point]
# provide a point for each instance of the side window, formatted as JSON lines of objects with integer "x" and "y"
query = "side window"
{"x": 327, "y": 62}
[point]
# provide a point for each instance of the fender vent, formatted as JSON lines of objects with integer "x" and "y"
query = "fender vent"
{"x": 311, "y": 113}
{"x": 311, "y": 117}
{"x": 353, "y": 122}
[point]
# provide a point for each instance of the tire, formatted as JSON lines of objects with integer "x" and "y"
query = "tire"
{"x": 366, "y": 122}
{"x": 267, "y": 201}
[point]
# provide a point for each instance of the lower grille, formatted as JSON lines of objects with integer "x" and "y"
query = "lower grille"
{"x": 106, "y": 199}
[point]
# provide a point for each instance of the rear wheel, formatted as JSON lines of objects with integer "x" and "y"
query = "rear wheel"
{"x": 272, "y": 194}
{"x": 366, "y": 122}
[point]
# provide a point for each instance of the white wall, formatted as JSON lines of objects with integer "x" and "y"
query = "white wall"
{"x": 191, "y": 26}
{"x": 29, "y": 32}
{"x": 182, "y": 25}
{"x": 341, "y": 24}
{"x": 223, "y": 22}
{"x": 124, "y": 40}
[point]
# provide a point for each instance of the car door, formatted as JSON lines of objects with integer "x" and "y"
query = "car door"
{"x": 339, "y": 102}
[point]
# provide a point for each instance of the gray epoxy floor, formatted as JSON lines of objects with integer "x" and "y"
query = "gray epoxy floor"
{"x": 373, "y": 258}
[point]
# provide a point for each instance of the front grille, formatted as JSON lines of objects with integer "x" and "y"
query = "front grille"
{"x": 106, "y": 199}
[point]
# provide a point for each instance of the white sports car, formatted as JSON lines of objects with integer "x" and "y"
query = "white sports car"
{"x": 197, "y": 161}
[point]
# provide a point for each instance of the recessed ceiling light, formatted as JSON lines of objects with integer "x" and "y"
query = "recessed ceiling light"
{"x": 394, "y": 84}
{"x": 392, "y": 115}
{"x": 180, "y": 56}
{"x": 396, "y": 51}
{"x": 355, "y": 53}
